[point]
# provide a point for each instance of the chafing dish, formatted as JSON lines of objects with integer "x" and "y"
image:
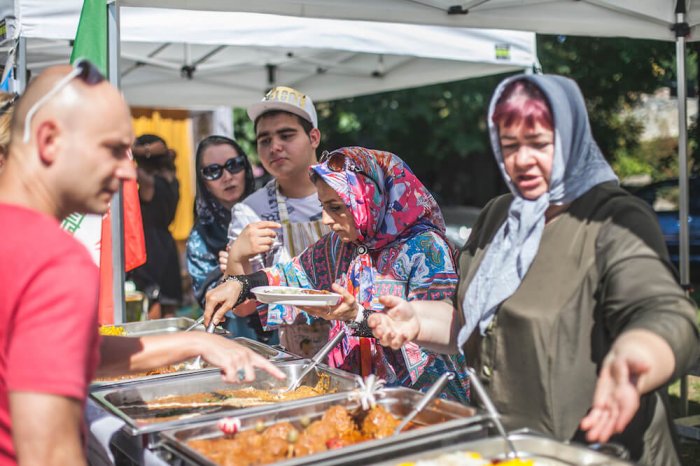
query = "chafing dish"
{"x": 441, "y": 421}
{"x": 529, "y": 445}
{"x": 127, "y": 400}
{"x": 269, "y": 352}
{"x": 262, "y": 349}
{"x": 164, "y": 326}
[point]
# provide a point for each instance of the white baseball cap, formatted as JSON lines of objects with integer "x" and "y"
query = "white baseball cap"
{"x": 285, "y": 99}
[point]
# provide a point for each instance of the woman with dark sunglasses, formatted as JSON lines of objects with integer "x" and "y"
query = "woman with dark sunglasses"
{"x": 387, "y": 237}
{"x": 224, "y": 177}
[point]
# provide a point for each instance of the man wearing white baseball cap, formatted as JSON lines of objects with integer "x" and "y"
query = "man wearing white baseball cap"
{"x": 282, "y": 218}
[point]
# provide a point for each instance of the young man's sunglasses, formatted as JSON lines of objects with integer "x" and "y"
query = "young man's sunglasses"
{"x": 83, "y": 70}
{"x": 214, "y": 171}
{"x": 339, "y": 162}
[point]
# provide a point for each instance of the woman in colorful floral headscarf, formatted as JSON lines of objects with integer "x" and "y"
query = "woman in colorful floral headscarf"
{"x": 387, "y": 239}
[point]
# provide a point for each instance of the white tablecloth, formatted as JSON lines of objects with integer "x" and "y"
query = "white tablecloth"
{"x": 105, "y": 434}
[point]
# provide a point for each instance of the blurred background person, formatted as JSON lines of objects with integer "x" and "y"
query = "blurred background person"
{"x": 224, "y": 177}
{"x": 159, "y": 194}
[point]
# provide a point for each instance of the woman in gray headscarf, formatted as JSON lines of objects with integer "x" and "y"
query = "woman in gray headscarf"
{"x": 568, "y": 306}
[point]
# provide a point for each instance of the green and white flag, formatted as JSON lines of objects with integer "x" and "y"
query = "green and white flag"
{"x": 91, "y": 43}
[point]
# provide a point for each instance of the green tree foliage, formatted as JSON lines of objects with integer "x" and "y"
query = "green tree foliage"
{"x": 440, "y": 130}
{"x": 612, "y": 73}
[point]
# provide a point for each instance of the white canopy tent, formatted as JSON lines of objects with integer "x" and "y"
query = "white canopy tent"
{"x": 649, "y": 19}
{"x": 670, "y": 20}
{"x": 201, "y": 59}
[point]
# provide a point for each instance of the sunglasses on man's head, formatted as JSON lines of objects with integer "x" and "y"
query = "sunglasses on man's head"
{"x": 214, "y": 171}
{"x": 83, "y": 70}
{"x": 339, "y": 162}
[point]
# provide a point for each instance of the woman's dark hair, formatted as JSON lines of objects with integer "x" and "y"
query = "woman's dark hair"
{"x": 149, "y": 139}
{"x": 153, "y": 162}
{"x": 215, "y": 140}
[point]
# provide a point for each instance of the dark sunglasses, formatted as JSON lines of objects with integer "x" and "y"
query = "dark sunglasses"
{"x": 339, "y": 162}
{"x": 214, "y": 171}
{"x": 83, "y": 70}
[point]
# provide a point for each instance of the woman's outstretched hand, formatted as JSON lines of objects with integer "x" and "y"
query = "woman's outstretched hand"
{"x": 220, "y": 300}
{"x": 397, "y": 325}
{"x": 616, "y": 397}
{"x": 345, "y": 311}
{"x": 638, "y": 362}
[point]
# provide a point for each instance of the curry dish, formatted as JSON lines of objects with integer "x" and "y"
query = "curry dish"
{"x": 337, "y": 428}
{"x": 161, "y": 370}
{"x": 173, "y": 407}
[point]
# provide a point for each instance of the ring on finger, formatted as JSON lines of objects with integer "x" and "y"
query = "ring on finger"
{"x": 240, "y": 373}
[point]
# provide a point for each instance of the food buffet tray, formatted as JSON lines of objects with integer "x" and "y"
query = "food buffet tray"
{"x": 543, "y": 450}
{"x": 268, "y": 352}
{"x": 441, "y": 419}
{"x": 164, "y": 326}
{"x": 122, "y": 400}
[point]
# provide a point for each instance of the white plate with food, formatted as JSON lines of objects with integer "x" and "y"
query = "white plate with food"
{"x": 291, "y": 296}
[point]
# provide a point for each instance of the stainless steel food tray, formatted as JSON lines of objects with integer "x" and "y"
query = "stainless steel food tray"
{"x": 164, "y": 326}
{"x": 441, "y": 419}
{"x": 118, "y": 399}
{"x": 268, "y": 352}
{"x": 534, "y": 446}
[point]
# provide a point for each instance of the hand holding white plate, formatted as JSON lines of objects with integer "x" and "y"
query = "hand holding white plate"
{"x": 295, "y": 296}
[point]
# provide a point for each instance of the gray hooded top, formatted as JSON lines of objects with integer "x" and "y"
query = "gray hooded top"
{"x": 577, "y": 167}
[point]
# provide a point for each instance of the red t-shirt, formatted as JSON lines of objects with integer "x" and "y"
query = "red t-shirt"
{"x": 48, "y": 313}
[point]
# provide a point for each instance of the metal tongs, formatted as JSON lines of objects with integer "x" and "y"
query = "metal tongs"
{"x": 197, "y": 363}
{"x": 486, "y": 400}
{"x": 322, "y": 353}
{"x": 196, "y": 323}
{"x": 429, "y": 395}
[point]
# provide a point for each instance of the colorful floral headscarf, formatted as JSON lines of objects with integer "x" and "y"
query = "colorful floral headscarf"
{"x": 389, "y": 205}
{"x": 386, "y": 199}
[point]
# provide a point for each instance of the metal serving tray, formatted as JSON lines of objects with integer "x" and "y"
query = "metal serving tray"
{"x": 164, "y": 326}
{"x": 530, "y": 446}
{"x": 117, "y": 399}
{"x": 441, "y": 419}
{"x": 268, "y": 352}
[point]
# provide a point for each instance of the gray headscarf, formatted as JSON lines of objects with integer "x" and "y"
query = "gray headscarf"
{"x": 578, "y": 166}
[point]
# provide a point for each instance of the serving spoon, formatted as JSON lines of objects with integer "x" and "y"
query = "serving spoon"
{"x": 196, "y": 323}
{"x": 322, "y": 353}
{"x": 197, "y": 363}
{"x": 429, "y": 395}
{"x": 486, "y": 400}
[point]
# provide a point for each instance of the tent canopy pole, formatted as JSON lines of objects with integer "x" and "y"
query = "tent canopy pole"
{"x": 117, "y": 207}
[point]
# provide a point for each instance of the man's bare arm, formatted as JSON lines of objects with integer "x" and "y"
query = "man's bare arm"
{"x": 46, "y": 429}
